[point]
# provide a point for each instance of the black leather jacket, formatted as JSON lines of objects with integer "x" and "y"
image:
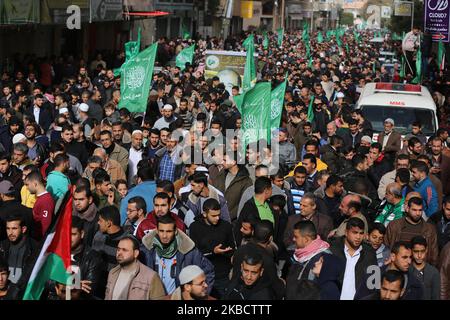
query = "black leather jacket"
{"x": 92, "y": 268}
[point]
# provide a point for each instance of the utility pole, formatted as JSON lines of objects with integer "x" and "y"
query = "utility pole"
{"x": 282, "y": 13}
{"x": 312, "y": 15}
{"x": 275, "y": 15}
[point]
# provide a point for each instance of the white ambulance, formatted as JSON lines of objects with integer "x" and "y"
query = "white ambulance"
{"x": 405, "y": 103}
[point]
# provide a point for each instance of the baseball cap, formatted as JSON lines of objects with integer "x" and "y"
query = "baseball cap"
{"x": 6, "y": 187}
{"x": 189, "y": 273}
{"x": 83, "y": 107}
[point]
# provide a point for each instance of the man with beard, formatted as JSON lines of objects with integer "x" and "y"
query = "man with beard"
{"x": 153, "y": 144}
{"x": 76, "y": 149}
{"x": 193, "y": 285}
{"x": 44, "y": 207}
{"x": 90, "y": 263}
{"x": 85, "y": 208}
{"x": 79, "y": 136}
{"x": 201, "y": 191}
{"x": 414, "y": 148}
{"x": 57, "y": 181}
{"x": 167, "y": 250}
{"x": 214, "y": 238}
{"x": 112, "y": 167}
{"x": 114, "y": 151}
{"x": 18, "y": 249}
{"x": 136, "y": 212}
{"x": 7, "y": 133}
{"x": 36, "y": 151}
{"x": 130, "y": 279}
{"x": 412, "y": 225}
{"x": 167, "y": 119}
{"x": 118, "y": 135}
{"x": 161, "y": 208}
{"x": 135, "y": 152}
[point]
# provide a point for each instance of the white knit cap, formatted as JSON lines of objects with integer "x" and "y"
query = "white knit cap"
{"x": 83, "y": 107}
{"x": 189, "y": 273}
{"x": 18, "y": 138}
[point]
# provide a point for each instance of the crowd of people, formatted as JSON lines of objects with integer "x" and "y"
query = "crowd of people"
{"x": 160, "y": 214}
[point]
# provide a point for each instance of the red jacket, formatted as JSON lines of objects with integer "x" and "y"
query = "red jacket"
{"x": 43, "y": 211}
{"x": 149, "y": 223}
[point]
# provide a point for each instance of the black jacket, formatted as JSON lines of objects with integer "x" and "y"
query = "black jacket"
{"x": 45, "y": 116}
{"x": 348, "y": 140}
{"x": 30, "y": 249}
{"x": 237, "y": 290}
{"x": 367, "y": 258}
{"x": 92, "y": 268}
{"x": 6, "y": 138}
{"x": 328, "y": 285}
{"x": 206, "y": 237}
{"x": 270, "y": 270}
{"x": 355, "y": 175}
{"x": 78, "y": 150}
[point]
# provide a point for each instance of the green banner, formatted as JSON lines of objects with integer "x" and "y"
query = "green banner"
{"x": 418, "y": 78}
{"x": 250, "y": 68}
{"x": 280, "y": 36}
{"x": 136, "y": 77}
{"x": 320, "y": 37}
{"x": 19, "y": 11}
{"x": 276, "y": 106}
{"x": 186, "y": 55}
{"x": 255, "y": 112}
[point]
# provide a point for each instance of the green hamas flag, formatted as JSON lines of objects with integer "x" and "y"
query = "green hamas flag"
{"x": 357, "y": 36}
{"x": 132, "y": 48}
{"x": 418, "y": 78}
{"x": 305, "y": 35}
{"x": 250, "y": 68}
{"x": 402, "y": 68}
{"x": 185, "y": 55}
{"x": 320, "y": 37}
{"x": 136, "y": 77}
{"x": 266, "y": 41}
{"x": 276, "y": 106}
{"x": 280, "y": 36}
{"x": 256, "y": 113}
{"x": 185, "y": 32}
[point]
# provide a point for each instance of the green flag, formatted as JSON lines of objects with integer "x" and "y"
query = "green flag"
{"x": 347, "y": 48}
{"x": 418, "y": 78}
{"x": 310, "y": 109}
{"x": 132, "y": 48}
{"x": 185, "y": 55}
{"x": 310, "y": 61}
{"x": 308, "y": 51}
{"x": 185, "y": 32}
{"x": 305, "y": 35}
{"x": 441, "y": 55}
{"x": 266, "y": 41}
{"x": 280, "y": 36}
{"x": 276, "y": 106}
{"x": 136, "y": 77}
{"x": 255, "y": 112}
{"x": 320, "y": 37}
{"x": 250, "y": 68}
{"x": 357, "y": 36}
{"x": 402, "y": 68}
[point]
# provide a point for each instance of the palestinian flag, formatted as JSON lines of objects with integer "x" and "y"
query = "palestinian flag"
{"x": 54, "y": 258}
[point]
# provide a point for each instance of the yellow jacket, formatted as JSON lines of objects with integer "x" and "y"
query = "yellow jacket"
{"x": 28, "y": 199}
{"x": 320, "y": 166}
